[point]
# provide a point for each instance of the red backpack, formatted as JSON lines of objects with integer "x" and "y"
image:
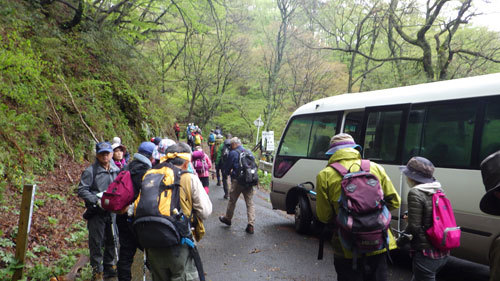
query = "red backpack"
{"x": 444, "y": 234}
{"x": 120, "y": 193}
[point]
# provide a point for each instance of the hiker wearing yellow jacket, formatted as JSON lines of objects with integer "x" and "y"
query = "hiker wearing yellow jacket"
{"x": 328, "y": 188}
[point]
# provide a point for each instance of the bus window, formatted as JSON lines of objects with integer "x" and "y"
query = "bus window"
{"x": 382, "y": 134}
{"x": 491, "y": 132}
{"x": 448, "y": 134}
{"x": 353, "y": 123}
{"x": 413, "y": 133}
{"x": 324, "y": 127}
{"x": 296, "y": 139}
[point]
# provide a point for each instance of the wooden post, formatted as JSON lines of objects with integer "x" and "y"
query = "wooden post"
{"x": 24, "y": 228}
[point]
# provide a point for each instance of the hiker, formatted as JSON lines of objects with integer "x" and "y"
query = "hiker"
{"x": 202, "y": 164}
{"x": 119, "y": 151}
{"x": 128, "y": 242}
{"x": 373, "y": 265}
{"x": 197, "y": 138}
{"x": 222, "y": 155}
{"x": 93, "y": 182}
{"x": 213, "y": 156}
{"x": 176, "y": 261}
{"x": 177, "y": 130}
{"x": 490, "y": 204}
{"x": 231, "y": 167}
{"x": 217, "y": 131}
{"x": 427, "y": 260}
{"x": 126, "y": 154}
{"x": 211, "y": 139}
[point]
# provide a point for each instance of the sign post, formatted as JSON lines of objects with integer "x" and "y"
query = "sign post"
{"x": 24, "y": 228}
{"x": 259, "y": 123}
{"x": 268, "y": 141}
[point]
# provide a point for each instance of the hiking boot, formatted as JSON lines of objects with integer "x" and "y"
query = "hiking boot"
{"x": 218, "y": 183}
{"x": 224, "y": 220}
{"x": 226, "y": 197}
{"x": 97, "y": 276}
{"x": 110, "y": 272}
{"x": 249, "y": 229}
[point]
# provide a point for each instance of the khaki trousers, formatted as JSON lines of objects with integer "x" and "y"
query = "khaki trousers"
{"x": 234, "y": 194}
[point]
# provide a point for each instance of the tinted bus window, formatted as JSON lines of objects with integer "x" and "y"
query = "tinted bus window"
{"x": 491, "y": 132}
{"x": 413, "y": 133}
{"x": 353, "y": 123}
{"x": 448, "y": 134}
{"x": 382, "y": 135}
{"x": 324, "y": 127}
{"x": 296, "y": 139}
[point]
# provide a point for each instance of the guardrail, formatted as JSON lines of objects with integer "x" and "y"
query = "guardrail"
{"x": 265, "y": 166}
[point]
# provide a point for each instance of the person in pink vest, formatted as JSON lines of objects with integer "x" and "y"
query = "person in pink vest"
{"x": 202, "y": 164}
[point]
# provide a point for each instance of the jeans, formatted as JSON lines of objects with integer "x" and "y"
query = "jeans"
{"x": 425, "y": 268}
{"x": 369, "y": 268}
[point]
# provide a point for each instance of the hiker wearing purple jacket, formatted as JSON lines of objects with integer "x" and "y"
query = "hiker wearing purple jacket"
{"x": 202, "y": 164}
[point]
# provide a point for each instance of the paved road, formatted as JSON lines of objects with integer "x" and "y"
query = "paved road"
{"x": 277, "y": 252}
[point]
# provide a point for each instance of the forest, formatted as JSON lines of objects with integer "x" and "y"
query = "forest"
{"x": 75, "y": 72}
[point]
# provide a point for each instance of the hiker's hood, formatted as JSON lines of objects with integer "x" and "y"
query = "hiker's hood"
{"x": 344, "y": 154}
{"x": 429, "y": 188}
{"x": 141, "y": 158}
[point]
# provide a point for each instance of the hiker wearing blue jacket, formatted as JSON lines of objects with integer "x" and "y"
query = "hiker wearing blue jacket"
{"x": 231, "y": 167}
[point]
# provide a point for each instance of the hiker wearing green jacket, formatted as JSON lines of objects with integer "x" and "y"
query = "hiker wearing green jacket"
{"x": 328, "y": 188}
{"x": 222, "y": 154}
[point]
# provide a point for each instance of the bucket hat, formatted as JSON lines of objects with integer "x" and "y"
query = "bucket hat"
{"x": 340, "y": 141}
{"x": 419, "y": 169}
{"x": 490, "y": 171}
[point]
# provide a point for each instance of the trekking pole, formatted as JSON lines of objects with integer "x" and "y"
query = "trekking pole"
{"x": 144, "y": 266}
{"x": 402, "y": 233}
{"x": 115, "y": 236}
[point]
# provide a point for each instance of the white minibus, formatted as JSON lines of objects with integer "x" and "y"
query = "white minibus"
{"x": 453, "y": 123}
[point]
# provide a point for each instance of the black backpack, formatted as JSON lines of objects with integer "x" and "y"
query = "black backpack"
{"x": 225, "y": 151}
{"x": 247, "y": 174}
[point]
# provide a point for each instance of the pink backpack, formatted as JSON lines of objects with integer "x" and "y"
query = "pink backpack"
{"x": 444, "y": 234}
{"x": 120, "y": 193}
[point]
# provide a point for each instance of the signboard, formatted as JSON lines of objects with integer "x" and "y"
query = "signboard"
{"x": 268, "y": 141}
{"x": 258, "y": 122}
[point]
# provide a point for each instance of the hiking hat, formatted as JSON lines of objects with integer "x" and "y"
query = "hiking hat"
{"x": 103, "y": 147}
{"x": 156, "y": 140}
{"x": 340, "y": 141}
{"x": 116, "y": 145}
{"x": 164, "y": 144}
{"x": 219, "y": 136}
{"x": 490, "y": 171}
{"x": 146, "y": 148}
{"x": 116, "y": 140}
{"x": 419, "y": 169}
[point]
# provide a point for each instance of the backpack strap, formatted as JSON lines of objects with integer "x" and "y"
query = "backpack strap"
{"x": 365, "y": 165}
{"x": 339, "y": 168}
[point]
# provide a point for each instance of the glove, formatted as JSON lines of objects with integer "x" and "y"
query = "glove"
{"x": 99, "y": 203}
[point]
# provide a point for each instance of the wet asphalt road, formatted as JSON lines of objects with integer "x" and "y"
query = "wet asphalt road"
{"x": 277, "y": 252}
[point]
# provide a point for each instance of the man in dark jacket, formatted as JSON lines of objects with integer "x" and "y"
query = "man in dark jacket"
{"x": 93, "y": 182}
{"x": 128, "y": 242}
{"x": 231, "y": 167}
{"x": 490, "y": 204}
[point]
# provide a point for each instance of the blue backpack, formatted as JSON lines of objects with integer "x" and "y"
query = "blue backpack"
{"x": 211, "y": 137}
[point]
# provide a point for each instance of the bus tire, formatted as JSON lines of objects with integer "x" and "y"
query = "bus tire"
{"x": 303, "y": 215}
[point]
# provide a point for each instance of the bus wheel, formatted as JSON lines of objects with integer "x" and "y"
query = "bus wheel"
{"x": 303, "y": 215}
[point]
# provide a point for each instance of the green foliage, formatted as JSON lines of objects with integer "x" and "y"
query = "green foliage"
{"x": 265, "y": 180}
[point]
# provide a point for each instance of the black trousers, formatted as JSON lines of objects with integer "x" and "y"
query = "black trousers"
{"x": 218, "y": 172}
{"x": 369, "y": 268}
{"x": 128, "y": 247}
{"x": 101, "y": 242}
